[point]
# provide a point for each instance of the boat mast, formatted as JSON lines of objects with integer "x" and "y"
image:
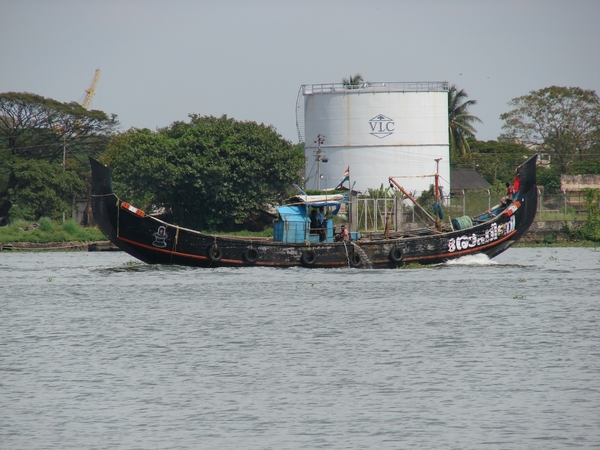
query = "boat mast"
{"x": 436, "y": 220}
{"x": 395, "y": 183}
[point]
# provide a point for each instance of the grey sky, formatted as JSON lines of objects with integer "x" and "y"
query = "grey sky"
{"x": 162, "y": 60}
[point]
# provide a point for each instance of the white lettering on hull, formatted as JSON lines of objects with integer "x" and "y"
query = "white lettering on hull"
{"x": 494, "y": 232}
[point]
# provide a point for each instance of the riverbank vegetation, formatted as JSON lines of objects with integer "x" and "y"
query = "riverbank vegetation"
{"x": 46, "y": 230}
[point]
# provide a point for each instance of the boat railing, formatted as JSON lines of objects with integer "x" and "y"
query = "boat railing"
{"x": 396, "y": 214}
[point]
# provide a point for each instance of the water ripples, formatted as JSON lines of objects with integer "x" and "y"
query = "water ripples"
{"x": 98, "y": 351}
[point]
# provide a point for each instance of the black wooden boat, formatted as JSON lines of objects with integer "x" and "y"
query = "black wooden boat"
{"x": 157, "y": 242}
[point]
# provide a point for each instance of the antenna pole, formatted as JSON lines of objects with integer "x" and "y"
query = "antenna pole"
{"x": 320, "y": 156}
{"x": 438, "y": 222}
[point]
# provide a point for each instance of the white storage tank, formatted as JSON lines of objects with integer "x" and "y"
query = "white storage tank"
{"x": 378, "y": 130}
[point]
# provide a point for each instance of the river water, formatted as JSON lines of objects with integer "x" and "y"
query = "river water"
{"x": 100, "y": 352}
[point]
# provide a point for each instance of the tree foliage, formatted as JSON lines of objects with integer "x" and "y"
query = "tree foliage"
{"x": 35, "y": 134}
{"x": 549, "y": 179}
{"x": 460, "y": 122}
{"x": 35, "y": 127}
{"x": 563, "y": 122}
{"x": 495, "y": 160}
{"x": 40, "y": 189}
{"x": 585, "y": 167}
{"x": 210, "y": 173}
{"x": 591, "y": 230}
{"x": 353, "y": 81}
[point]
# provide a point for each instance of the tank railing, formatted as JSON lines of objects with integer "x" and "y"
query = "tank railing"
{"x": 367, "y": 86}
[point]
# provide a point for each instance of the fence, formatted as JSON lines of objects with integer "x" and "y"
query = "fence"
{"x": 398, "y": 213}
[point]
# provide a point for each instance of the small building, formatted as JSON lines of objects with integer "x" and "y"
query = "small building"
{"x": 466, "y": 180}
{"x": 574, "y": 186}
{"x": 468, "y": 183}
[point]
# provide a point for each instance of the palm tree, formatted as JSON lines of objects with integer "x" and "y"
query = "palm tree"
{"x": 460, "y": 122}
{"x": 353, "y": 82}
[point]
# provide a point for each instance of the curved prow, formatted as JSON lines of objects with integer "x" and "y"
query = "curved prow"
{"x": 526, "y": 173}
{"x": 105, "y": 208}
{"x": 101, "y": 178}
{"x": 526, "y": 194}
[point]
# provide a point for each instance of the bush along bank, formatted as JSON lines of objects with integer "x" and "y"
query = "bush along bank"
{"x": 569, "y": 232}
{"x": 46, "y": 231}
{"x": 591, "y": 230}
{"x": 558, "y": 233}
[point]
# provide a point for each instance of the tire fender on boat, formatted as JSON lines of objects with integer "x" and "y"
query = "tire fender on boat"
{"x": 308, "y": 258}
{"x": 354, "y": 259}
{"x": 215, "y": 253}
{"x": 251, "y": 255}
{"x": 396, "y": 254}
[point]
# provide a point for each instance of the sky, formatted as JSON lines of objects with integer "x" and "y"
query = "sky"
{"x": 163, "y": 60}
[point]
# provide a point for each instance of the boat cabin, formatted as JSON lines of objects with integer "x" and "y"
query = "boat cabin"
{"x": 299, "y": 219}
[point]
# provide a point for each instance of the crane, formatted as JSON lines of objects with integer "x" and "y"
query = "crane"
{"x": 89, "y": 93}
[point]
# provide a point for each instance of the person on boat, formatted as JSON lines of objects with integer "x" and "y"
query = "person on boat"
{"x": 322, "y": 225}
{"x": 510, "y": 192}
{"x": 343, "y": 234}
{"x": 317, "y": 224}
{"x": 321, "y": 216}
{"x": 516, "y": 184}
{"x": 314, "y": 222}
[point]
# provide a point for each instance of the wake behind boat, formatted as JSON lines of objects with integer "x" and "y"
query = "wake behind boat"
{"x": 297, "y": 243}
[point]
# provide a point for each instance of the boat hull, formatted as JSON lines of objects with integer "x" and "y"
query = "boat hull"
{"x": 157, "y": 242}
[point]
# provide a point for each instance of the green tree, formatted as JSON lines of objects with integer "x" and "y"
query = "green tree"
{"x": 460, "y": 122}
{"x": 585, "y": 167}
{"x": 35, "y": 128}
{"x": 589, "y": 165}
{"x": 560, "y": 121}
{"x": 549, "y": 179}
{"x": 40, "y": 189}
{"x": 495, "y": 160}
{"x": 353, "y": 82}
{"x": 210, "y": 173}
{"x": 145, "y": 165}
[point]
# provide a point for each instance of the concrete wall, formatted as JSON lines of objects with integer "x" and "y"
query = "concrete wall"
{"x": 579, "y": 182}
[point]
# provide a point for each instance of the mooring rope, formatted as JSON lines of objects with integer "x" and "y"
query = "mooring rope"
{"x": 347, "y": 254}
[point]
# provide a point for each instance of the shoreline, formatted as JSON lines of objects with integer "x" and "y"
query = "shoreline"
{"x": 73, "y": 246}
{"x": 541, "y": 234}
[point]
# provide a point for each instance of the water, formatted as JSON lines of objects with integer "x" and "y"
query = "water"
{"x": 100, "y": 353}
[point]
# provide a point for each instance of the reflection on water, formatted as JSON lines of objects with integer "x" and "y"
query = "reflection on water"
{"x": 99, "y": 351}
